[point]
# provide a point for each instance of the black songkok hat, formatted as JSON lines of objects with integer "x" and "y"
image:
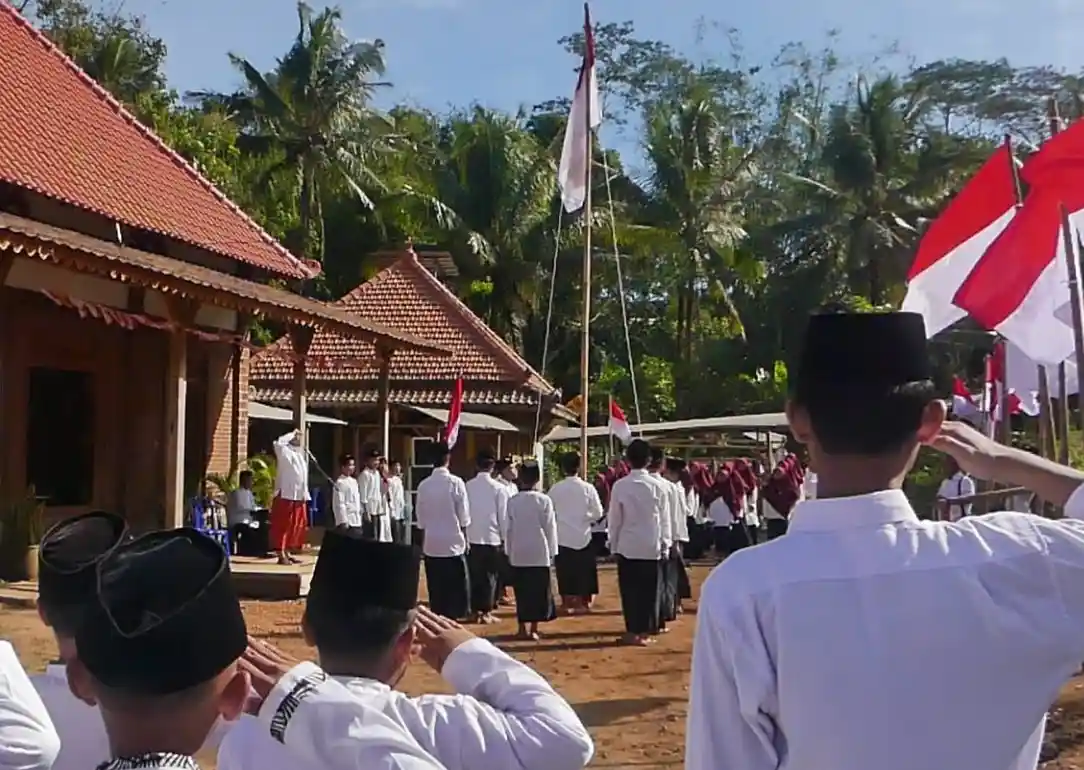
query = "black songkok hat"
{"x": 69, "y": 554}
{"x": 847, "y": 353}
{"x": 675, "y": 465}
{"x": 167, "y": 616}
{"x": 503, "y": 463}
{"x": 354, "y": 572}
{"x": 485, "y": 457}
{"x": 371, "y": 453}
{"x": 657, "y": 456}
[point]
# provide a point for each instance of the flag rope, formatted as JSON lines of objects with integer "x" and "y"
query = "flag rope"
{"x": 549, "y": 319}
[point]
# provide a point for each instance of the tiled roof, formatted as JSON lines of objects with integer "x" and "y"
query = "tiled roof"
{"x": 346, "y": 396}
{"x": 406, "y": 296}
{"x": 65, "y": 137}
{"x": 74, "y": 250}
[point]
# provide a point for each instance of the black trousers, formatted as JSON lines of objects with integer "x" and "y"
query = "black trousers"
{"x": 449, "y": 585}
{"x": 639, "y": 582}
{"x": 398, "y": 531}
{"x": 722, "y": 539}
{"x": 776, "y": 528}
{"x": 251, "y": 541}
{"x": 484, "y": 562}
{"x": 668, "y": 594}
{"x": 684, "y": 587}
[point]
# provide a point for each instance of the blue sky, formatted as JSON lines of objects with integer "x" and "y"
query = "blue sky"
{"x": 504, "y": 53}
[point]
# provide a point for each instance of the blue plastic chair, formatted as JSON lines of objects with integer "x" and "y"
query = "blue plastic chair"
{"x": 316, "y": 506}
{"x": 199, "y": 521}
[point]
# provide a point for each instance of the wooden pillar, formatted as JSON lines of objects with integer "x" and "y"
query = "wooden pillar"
{"x": 383, "y": 407}
{"x": 236, "y": 450}
{"x": 182, "y": 313}
{"x": 300, "y": 340}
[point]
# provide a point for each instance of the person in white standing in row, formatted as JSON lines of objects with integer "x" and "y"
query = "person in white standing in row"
{"x": 442, "y": 512}
{"x": 671, "y": 507}
{"x": 362, "y": 617}
{"x": 346, "y": 496}
{"x": 374, "y": 504}
{"x": 488, "y": 499}
{"x": 68, "y": 557}
{"x": 578, "y": 508}
{"x": 680, "y": 587}
{"x": 956, "y": 486}
{"x": 867, "y": 637}
{"x": 397, "y": 505}
{"x": 531, "y": 543}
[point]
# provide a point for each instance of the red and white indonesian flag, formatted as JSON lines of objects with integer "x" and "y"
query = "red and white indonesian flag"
{"x": 995, "y": 387}
{"x": 451, "y": 431}
{"x": 956, "y": 240}
{"x": 963, "y": 403}
{"x": 585, "y": 114}
{"x": 1020, "y": 287}
{"x": 619, "y": 424}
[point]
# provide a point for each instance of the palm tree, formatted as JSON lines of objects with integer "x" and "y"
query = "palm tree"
{"x": 884, "y": 168}
{"x": 312, "y": 114}
{"x": 697, "y": 177}
{"x": 500, "y": 181}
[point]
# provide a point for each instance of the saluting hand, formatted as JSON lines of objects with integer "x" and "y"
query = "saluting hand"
{"x": 976, "y": 454}
{"x": 266, "y": 665}
{"x": 438, "y": 637}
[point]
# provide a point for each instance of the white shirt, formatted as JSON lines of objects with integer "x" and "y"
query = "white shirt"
{"x": 679, "y": 524}
{"x": 83, "y": 741}
{"x": 719, "y": 513}
{"x": 346, "y": 502}
{"x": 867, "y": 638}
{"x": 442, "y": 510}
{"x": 291, "y": 469}
{"x": 531, "y": 535}
{"x": 666, "y": 515}
{"x": 957, "y": 485}
{"x": 320, "y": 724}
{"x": 577, "y": 506}
{"x": 488, "y": 506}
{"x": 240, "y": 504}
{"x": 396, "y": 498}
{"x": 373, "y": 502}
{"x": 637, "y": 506}
{"x": 505, "y": 717}
{"x": 28, "y": 740}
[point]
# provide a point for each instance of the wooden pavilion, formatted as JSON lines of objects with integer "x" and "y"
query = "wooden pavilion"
{"x": 503, "y": 395}
{"x": 127, "y": 286}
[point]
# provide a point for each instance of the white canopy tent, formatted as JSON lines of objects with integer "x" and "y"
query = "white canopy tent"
{"x": 258, "y": 411}
{"x": 751, "y": 426}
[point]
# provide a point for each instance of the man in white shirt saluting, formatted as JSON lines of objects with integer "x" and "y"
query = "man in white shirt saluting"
{"x": 442, "y": 512}
{"x": 637, "y": 510}
{"x": 361, "y": 615}
{"x": 374, "y": 505}
{"x": 488, "y": 502}
{"x": 289, "y": 509}
{"x": 346, "y": 497}
{"x": 578, "y": 506}
{"x": 867, "y": 637}
{"x": 67, "y": 583}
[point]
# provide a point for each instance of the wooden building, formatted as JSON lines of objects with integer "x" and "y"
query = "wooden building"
{"x": 127, "y": 284}
{"x": 503, "y": 396}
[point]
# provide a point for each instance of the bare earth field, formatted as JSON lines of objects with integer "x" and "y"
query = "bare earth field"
{"x": 632, "y": 699}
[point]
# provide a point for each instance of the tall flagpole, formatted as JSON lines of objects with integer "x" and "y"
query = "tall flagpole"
{"x": 585, "y": 342}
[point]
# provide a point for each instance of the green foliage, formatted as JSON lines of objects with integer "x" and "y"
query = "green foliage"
{"x": 763, "y": 189}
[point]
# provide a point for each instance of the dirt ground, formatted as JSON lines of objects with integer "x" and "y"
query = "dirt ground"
{"x": 633, "y": 700}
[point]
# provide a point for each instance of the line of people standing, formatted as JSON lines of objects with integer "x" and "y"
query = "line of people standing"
{"x": 372, "y": 501}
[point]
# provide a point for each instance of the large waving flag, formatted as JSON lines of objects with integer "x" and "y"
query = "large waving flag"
{"x": 619, "y": 424}
{"x": 585, "y": 114}
{"x": 1020, "y": 287}
{"x": 956, "y": 240}
{"x": 451, "y": 431}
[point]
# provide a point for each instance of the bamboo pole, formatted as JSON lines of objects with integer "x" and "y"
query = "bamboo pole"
{"x": 585, "y": 342}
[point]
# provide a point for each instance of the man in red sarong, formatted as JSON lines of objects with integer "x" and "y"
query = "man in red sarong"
{"x": 289, "y": 510}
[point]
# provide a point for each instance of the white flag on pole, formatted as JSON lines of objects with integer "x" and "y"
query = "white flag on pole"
{"x": 572, "y": 173}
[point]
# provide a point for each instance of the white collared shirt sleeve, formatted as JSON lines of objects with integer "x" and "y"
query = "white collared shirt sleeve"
{"x": 28, "y": 740}
{"x": 322, "y": 724}
{"x": 462, "y": 504}
{"x": 726, "y": 727}
{"x": 505, "y": 717}
{"x": 615, "y": 517}
{"x": 549, "y": 525}
{"x": 339, "y": 502}
{"x": 502, "y": 510}
{"x": 594, "y": 504}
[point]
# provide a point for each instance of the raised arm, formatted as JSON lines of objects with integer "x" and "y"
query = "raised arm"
{"x": 324, "y": 725}
{"x": 504, "y": 716}
{"x": 282, "y": 443}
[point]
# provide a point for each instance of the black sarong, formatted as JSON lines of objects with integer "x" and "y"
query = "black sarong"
{"x": 534, "y": 594}
{"x": 776, "y": 528}
{"x": 577, "y": 572}
{"x": 668, "y": 597}
{"x": 598, "y": 544}
{"x": 640, "y": 584}
{"x": 684, "y": 588}
{"x": 722, "y": 539}
{"x": 484, "y": 562}
{"x": 449, "y": 586}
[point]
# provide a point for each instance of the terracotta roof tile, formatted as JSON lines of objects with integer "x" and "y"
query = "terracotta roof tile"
{"x": 346, "y": 396}
{"x": 65, "y": 137}
{"x": 406, "y": 296}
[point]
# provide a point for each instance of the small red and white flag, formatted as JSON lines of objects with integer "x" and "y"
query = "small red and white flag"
{"x": 1020, "y": 287}
{"x": 619, "y": 424}
{"x": 963, "y": 403}
{"x": 584, "y": 115}
{"x": 956, "y": 240}
{"x": 995, "y": 387}
{"x": 451, "y": 430}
